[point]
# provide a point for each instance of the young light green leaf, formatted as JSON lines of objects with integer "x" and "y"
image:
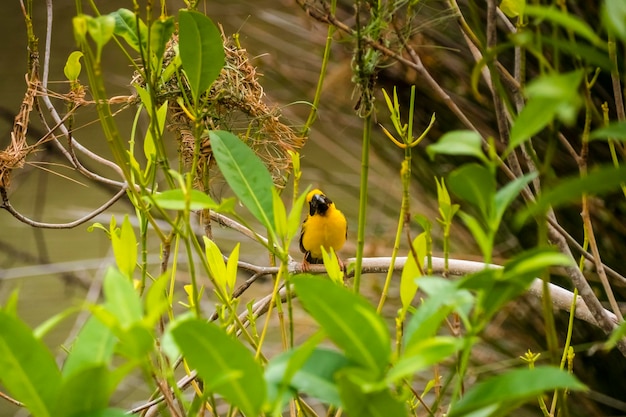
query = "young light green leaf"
{"x": 348, "y": 319}
{"x": 215, "y": 259}
{"x": 331, "y": 263}
{"x": 483, "y": 238}
{"x": 72, "y": 66}
{"x": 245, "y": 173}
{"x": 149, "y": 147}
{"x": 293, "y": 221}
{"x": 225, "y": 365}
{"x": 513, "y": 8}
{"x": 29, "y": 371}
{"x": 176, "y": 200}
{"x": 458, "y": 142}
{"x": 101, "y": 29}
{"x": 412, "y": 270}
{"x": 126, "y": 27}
{"x": 156, "y": 300}
{"x": 514, "y": 387}
{"x": 231, "y": 269}
{"x": 124, "y": 242}
{"x": 201, "y": 50}
{"x": 280, "y": 214}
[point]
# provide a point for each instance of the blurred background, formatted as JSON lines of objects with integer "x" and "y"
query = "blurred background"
{"x": 54, "y": 269}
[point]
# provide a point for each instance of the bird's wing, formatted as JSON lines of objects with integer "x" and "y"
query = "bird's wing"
{"x": 302, "y": 248}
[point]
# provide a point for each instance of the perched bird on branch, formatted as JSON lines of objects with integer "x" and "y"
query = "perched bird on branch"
{"x": 325, "y": 226}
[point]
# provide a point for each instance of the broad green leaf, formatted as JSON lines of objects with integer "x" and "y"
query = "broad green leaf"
{"x": 201, "y": 50}
{"x": 614, "y": 17}
{"x": 550, "y": 96}
{"x": 280, "y": 214}
{"x": 109, "y": 412}
{"x": 225, "y": 365}
{"x": 160, "y": 33}
{"x": 532, "y": 262}
{"x": 125, "y": 248}
{"x": 72, "y": 66}
{"x": 568, "y": 21}
{"x": 598, "y": 181}
{"x": 101, "y": 30}
{"x": 93, "y": 346}
{"x": 514, "y": 387}
{"x": 135, "y": 341}
{"x": 315, "y": 377}
{"x": 245, "y": 173}
{"x": 422, "y": 355}
{"x": 156, "y": 301}
{"x": 443, "y": 298}
{"x": 84, "y": 392}
{"x": 349, "y": 320}
{"x": 331, "y": 263}
{"x": 217, "y": 267}
{"x": 505, "y": 196}
{"x": 293, "y": 221}
{"x": 29, "y": 372}
{"x": 483, "y": 238}
{"x": 122, "y": 301}
{"x": 614, "y": 131}
{"x": 177, "y": 200}
{"x": 458, "y": 142}
{"x": 476, "y": 185}
{"x": 411, "y": 271}
{"x": 513, "y": 8}
{"x": 126, "y": 27}
{"x": 361, "y": 402}
{"x": 149, "y": 147}
{"x": 231, "y": 268}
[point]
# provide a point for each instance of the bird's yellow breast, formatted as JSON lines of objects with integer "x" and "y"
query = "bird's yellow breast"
{"x": 328, "y": 230}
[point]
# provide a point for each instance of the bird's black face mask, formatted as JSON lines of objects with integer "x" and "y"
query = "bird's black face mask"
{"x": 319, "y": 204}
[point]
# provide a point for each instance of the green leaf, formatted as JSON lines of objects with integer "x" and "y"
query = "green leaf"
{"x": 514, "y": 387}
{"x": 156, "y": 301}
{"x": 122, "y": 300}
{"x": 293, "y": 221}
{"x": 443, "y": 298}
{"x": 101, "y": 29}
{"x": 505, "y": 196}
{"x": 422, "y": 355}
{"x": 217, "y": 267}
{"x": 72, "y": 66}
{"x": 109, "y": 412}
{"x": 568, "y": 21}
{"x": 513, "y": 8}
{"x": 315, "y": 377}
{"x": 245, "y": 173}
{"x": 149, "y": 147}
{"x": 201, "y": 50}
{"x": 29, "y": 371}
{"x": 231, "y": 268}
{"x": 225, "y": 365}
{"x": 614, "y": 131}
{"x": 280, "y": 215}
{"x": 475, "y": 184}
{"x": 614, "y": 17}
{"x": 483, "y": 238}
{"x": 125, "y": 247}
{"x": 84, "y": 392}
{"x": 533, "y": 262}
{"x": 550, "y": 96}
{"x": 599, "y": 181}
{"x": 93, "y": 346}
{"x": 458, "y": 142}
{"x": 177, "y": 200}
{"x": 358, "y": 401}
{"x": 411, "y": 270}
{"x": 349, "y": 320}
{"x": 160, "y": 33}
{"x": 126, "y": 26}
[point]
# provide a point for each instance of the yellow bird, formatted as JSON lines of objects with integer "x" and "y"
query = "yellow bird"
{"x": 325, "y": 226}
